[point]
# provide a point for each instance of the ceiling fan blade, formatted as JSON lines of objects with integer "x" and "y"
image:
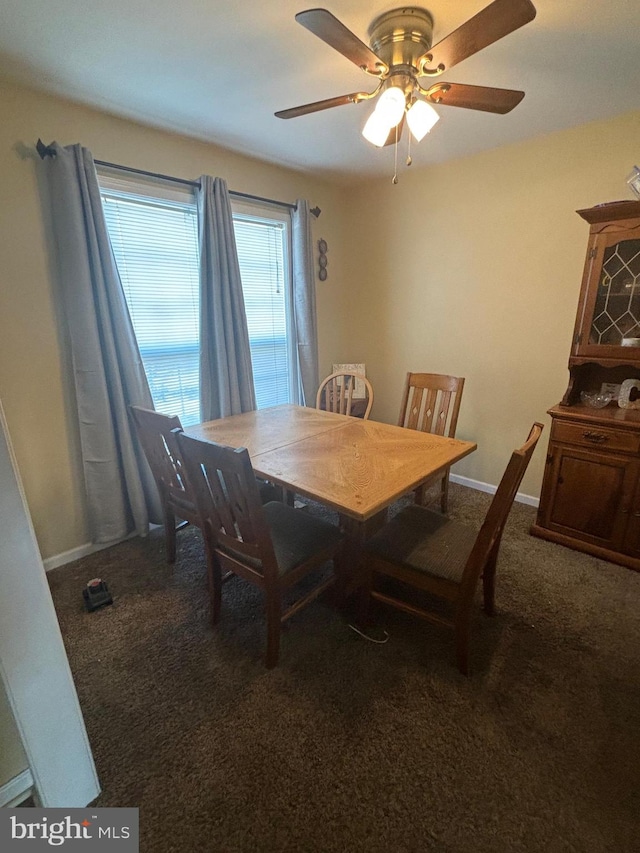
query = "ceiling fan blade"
{"x": 483, "y": 98}
{"x": 328, "y": 28}
{"x": 495, "y": 21}
{"x": 316, "y": 106}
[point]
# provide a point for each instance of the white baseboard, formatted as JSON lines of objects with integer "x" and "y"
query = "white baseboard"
{"x": 82, "y": 551}
{"x": 70, "y": 556}
{"x": 16, "y": 790}
{"x": 487, "y": 487}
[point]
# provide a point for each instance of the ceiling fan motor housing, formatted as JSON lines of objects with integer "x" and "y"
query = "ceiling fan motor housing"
{"x": 400, "y": 36}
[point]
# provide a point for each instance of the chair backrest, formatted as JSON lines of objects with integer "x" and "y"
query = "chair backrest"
{"x": 228, "y": 500}
{"x": 155, "y": 433}
{"x": 431, "y": 403}
{"x": 488, "y": 539}
{"x": 335, "y": 393}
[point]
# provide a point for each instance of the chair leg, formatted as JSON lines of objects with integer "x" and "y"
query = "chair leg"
{"x": 489, "y": 584}
{"x": 214, "y": 580}
{"x": 169, "y": 522}
{"x": 273, "y": 611}
{"x": 418, "y": 495}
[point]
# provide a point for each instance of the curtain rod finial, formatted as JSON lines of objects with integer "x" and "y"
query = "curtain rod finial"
{"x": 44, "y": 150}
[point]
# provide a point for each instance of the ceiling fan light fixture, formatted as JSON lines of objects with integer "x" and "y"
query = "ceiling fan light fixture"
{"x": 391, "y": 105}
{"x": 376, "y": 130}
{"x": 421, "y": 117}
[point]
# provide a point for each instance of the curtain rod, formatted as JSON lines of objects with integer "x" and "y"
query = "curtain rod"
{"x": 48, "y": 151}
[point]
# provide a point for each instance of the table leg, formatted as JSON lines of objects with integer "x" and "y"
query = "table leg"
{"x": 356, "y": 533}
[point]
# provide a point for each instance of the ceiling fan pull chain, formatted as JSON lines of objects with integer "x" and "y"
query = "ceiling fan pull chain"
{"x": 409, "y": 157}
{"x": 394, "y": 180}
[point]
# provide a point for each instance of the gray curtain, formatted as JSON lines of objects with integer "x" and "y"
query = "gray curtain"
{"x": 304, "y": 302}
{"x": 107, "y": 368}
{"x": 226, "y": 375}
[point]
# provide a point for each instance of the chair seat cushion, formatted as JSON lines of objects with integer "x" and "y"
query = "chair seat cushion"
{"x": 426, "y": 541}
{"x": 296, "y": 535}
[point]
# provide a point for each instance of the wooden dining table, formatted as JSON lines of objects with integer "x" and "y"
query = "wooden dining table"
{"x": 356, "y": 467}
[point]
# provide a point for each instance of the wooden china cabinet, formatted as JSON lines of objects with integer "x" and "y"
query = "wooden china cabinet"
{"x": 591, "y": 490}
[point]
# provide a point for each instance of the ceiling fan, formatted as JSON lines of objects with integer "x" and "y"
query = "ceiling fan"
{"x": 401, "y": 53}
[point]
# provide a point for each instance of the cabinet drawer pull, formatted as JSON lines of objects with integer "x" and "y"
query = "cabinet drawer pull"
{"x": 597, "y": 437}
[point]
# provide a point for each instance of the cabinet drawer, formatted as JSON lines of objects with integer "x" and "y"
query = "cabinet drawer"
{"x": 587, "y": 435}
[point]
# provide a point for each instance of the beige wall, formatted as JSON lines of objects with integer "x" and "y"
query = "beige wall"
{"x": 473, "y": 268}
{"x": 33, "y": 383}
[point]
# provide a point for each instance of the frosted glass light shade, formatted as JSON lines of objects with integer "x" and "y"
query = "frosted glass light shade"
{"x": 391, "y": 104}
{"x": 421, "y": 118}
{"x": 376, "y": 130}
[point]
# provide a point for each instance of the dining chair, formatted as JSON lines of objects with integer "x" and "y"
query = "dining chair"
{"x": 158, "y": 441}
{"x": 431, "y": 403}
{"x": 155, "y": 432}
{"x": 270, "y": 545}
{"x": 426, "y": 551}
{"x": 336, "y": 391}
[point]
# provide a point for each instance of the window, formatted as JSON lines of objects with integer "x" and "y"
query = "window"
{"x": 262, "y": 241}
{"x": 155, "y": 243}
{"x": 154, "y": 234}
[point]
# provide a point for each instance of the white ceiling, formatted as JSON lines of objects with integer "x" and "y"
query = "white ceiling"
{"x": 218, "y": 70}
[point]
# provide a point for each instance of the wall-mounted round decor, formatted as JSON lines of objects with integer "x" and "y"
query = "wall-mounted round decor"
{"x": 322, "y": 259}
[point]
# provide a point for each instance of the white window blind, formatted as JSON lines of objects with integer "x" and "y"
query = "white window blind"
{"x": 155, "y": 243}
{"x": 263, "y": 257}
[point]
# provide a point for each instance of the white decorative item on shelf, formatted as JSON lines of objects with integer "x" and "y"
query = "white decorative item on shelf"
{"x": 634, "y": 181}
{"x": 359, "y": 392}
{"x": 629, "y": 388}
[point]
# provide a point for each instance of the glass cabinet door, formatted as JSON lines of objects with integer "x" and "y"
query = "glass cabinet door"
{"x": 612, "y": 308}
{"x": 616, "y": 314}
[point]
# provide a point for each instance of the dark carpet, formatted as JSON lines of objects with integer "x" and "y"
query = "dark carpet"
{"x": 352, "y": 746}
